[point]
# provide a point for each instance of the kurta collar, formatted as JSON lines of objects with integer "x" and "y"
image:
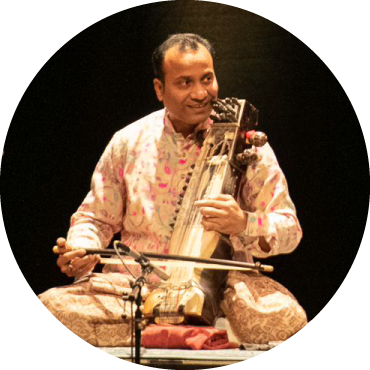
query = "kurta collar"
{"x": 201, "y": 126}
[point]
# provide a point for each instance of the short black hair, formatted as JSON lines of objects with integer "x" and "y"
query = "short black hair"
{"x": 184, "y": 41}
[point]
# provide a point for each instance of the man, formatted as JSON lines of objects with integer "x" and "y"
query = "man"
{"x": 135, "y": 190}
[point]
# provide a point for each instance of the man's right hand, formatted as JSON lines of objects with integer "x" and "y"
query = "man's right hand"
{"x": 74, "y": 262}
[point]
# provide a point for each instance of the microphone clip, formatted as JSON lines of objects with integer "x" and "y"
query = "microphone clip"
{"x": 144, "y": 262}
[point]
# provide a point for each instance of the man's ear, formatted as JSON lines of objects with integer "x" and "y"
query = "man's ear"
{"x": 158, "y": 87}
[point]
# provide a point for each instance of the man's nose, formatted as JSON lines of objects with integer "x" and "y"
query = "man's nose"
{"x": 199, "y": 93}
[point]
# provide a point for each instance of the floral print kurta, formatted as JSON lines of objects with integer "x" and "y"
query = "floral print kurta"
{"x": 138, "y": 181}
{"x": 135, "y": 190}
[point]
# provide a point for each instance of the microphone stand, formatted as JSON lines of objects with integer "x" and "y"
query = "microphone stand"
{"x": 136, "y": 296}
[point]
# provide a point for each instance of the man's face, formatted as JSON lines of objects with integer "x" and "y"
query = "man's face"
{"x": 189, "y": 86}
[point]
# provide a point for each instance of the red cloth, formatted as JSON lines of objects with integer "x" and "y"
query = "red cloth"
{"x": 185, "y": 337}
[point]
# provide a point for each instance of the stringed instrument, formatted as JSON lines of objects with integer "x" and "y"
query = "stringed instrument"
{"x": 192, "y": 294}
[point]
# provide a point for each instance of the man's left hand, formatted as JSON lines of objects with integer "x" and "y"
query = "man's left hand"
{"x": 223, "y": 214}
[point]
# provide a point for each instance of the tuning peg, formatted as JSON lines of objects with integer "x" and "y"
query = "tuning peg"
{"x": 247, "y": 157}
{"x": 256, "y": 138}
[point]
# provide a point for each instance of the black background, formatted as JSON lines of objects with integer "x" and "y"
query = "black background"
{"x": 102, "y": 80}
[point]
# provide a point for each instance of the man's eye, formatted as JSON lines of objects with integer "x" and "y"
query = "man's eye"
{"x": 184, "y": 83}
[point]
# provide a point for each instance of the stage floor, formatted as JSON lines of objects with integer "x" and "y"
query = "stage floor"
{"x": 186, "y": 359}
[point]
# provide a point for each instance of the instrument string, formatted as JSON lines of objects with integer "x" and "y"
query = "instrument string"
{"x": 208, "y": 182}
{"x": 179, "y": 274}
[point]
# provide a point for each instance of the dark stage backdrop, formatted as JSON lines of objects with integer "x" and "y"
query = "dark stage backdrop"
{"x": 101, "y": 81}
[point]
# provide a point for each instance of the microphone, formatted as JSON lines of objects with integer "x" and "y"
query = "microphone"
{"x": 137, "y": 256}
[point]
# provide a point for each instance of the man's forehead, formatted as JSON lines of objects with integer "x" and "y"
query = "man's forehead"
{"x": 177, "y": 59}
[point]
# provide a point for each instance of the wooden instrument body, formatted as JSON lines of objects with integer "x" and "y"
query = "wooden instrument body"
{"x": 192, "y": 295}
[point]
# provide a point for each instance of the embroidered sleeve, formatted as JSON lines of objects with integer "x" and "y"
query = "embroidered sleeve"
{"x": 270, "y": 211}
{"x": 100, "y": 215}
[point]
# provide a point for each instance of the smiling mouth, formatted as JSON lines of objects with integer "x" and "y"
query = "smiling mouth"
{"x": 198, "y": 106}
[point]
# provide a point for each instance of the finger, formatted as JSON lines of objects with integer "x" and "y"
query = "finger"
{"x": 61, "y": 242}
{"x": 219, "y": 204}
{"x": 210, "y": 224}
{"x": 80, "y": 263}
{"x": 61, "y": 250}
{"x": 220, "y": 197}
{"x": 79, "y": 266}
{"x": 65, "y": 258}
{"x": 61, "y": 247}
{"x": 69, "y": 270}
{"x": 66, "y": 269}
{"x": 86, "y": 269}
{"x": 213, "y": 212}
